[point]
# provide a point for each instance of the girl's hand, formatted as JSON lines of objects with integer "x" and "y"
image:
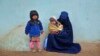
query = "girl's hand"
{"x": 42, "y": 32}
{"x": 26, "y": 33}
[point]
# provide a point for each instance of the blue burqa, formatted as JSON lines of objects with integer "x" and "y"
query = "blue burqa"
{"x": 63, "y": 42}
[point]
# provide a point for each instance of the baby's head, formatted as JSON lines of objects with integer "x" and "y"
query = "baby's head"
{"x": 53, "y": 20}
{"x": 34, "y": 15}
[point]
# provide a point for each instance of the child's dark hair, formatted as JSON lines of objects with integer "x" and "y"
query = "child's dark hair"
{"x": 32, "y": 13}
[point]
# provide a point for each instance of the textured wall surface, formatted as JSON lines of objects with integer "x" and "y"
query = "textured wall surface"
{"x": 84, "y": 15}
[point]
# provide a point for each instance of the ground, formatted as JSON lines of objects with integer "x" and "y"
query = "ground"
{"x": 88, "y": 49}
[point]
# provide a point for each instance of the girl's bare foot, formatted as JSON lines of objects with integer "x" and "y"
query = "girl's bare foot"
{"x": 33, "y": 51}
{"x": 39, "y": 50}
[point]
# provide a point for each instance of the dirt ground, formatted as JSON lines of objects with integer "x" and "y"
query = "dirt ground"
{"x": 88, "y": 49}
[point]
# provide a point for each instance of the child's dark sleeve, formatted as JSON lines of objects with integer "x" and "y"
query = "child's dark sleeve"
{"x": 27, "y": 28}
{"x": 41, "y": 27}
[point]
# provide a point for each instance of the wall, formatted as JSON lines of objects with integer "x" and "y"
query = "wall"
{"x": 84, "y": 15}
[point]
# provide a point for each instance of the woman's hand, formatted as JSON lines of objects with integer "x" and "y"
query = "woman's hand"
{"x": 54, "y": 32}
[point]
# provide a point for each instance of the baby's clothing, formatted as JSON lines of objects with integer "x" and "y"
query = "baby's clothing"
{"x": 53, "y": 27}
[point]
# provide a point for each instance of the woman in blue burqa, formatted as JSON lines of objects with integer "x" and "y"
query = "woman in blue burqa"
{"x": 63, "y": 41}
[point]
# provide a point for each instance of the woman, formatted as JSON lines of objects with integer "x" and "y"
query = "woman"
{"x": 63, "y": 41}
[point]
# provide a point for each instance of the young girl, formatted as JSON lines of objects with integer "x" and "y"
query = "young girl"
{"x": 55, "y": 26}
{"x": 34, "y": 29}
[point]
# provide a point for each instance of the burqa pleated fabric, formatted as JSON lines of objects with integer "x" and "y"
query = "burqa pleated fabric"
{"x": 63, "y": 42}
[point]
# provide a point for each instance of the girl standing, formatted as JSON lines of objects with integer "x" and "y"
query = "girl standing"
{"x": 34, "y": 28}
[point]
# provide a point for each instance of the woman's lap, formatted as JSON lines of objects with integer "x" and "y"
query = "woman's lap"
{"x": 59, "y": 44}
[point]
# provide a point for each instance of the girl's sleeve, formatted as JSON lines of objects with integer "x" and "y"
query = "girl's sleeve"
{"x": 27, "y": 28}
{"x": 41, "y": 27}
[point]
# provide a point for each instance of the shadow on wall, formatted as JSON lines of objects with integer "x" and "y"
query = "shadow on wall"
{"x": 16, "y": 40}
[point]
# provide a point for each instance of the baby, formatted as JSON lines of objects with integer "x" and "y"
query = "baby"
{"x": 54, "y": 26}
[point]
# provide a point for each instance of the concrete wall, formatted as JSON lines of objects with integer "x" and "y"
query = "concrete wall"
{"x": 84, "y": 15}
